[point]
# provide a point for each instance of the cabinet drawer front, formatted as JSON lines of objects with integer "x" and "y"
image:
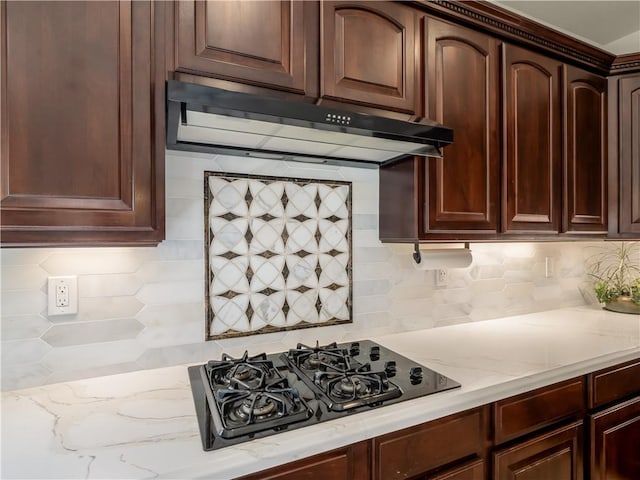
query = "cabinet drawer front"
{"x": 530, "y": 411}
{"x": 417, "y": 450}
{"x": 469, "y": 471}
{"x": 614, "y": 383}
{"x": 347, "y": 463}
{"x": 555, "y": 455}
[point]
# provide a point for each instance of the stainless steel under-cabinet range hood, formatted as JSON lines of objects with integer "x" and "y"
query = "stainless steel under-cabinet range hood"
{"x": 207, "y": 119}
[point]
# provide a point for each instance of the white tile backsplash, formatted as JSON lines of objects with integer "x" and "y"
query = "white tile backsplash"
{"x": 24, "y": 375}
{"x": 22, "y": 302}
{"x": 16, "y": 352}
{"x": 24, "y": 277}
{"x": 92, "y": 261}
{"x": 80, "y": 358}
{"x": 168, "y": 293}
{"x": 23, "y": 326}
{"x": 109, "y": 285}
{"x": 101, "y": 308}
{"x": 82, "y": 333}
{"x": 144, "y": 307}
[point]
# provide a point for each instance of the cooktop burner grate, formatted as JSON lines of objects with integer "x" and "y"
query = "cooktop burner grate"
{"x": 340, "y": 379}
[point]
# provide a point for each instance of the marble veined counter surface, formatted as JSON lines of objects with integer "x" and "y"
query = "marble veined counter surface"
{"x": 143, "y": 424}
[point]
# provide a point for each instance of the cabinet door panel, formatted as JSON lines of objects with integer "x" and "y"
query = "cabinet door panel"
{"x": 369, "y": 54}
{"x": 462, "y": 76}
{"x": 50, "y": 140}
{"x": 533, "y": 142}
{"x": 82, "y": 127}
{"x": 556, "y": 455}
{"x": 629, "y": 130}
{"x": 615, "y": 437}
{"x": 585, "y": 150}
{"x": 258, "y": 42}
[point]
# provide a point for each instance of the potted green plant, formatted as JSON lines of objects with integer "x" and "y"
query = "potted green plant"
{"x": 616, "y": 276}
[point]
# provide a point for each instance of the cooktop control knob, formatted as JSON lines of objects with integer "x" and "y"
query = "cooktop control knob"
{"x": 415, "y": 374}
{"x": 390, "y": 368}
{"x": 354, "y": 349}
{"x": 374, "y": 354}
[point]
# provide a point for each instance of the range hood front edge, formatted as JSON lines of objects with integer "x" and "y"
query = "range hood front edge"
{"x": 354, "y": 131}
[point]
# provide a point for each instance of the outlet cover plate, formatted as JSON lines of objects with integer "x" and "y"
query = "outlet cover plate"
{"x": 71, "y": 283}
{"x": 442, "y": 277}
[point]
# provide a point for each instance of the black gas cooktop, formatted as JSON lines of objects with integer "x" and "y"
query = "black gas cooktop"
{"x": 239, "y": 399}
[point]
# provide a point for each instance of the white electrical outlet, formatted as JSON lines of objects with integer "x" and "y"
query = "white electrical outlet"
{"x": 441, "y": 277}
{"x": 63, "y": 295}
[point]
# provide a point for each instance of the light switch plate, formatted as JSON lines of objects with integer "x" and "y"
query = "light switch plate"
{"x": 62, "y": 295}
{"x": 549, "y": 267}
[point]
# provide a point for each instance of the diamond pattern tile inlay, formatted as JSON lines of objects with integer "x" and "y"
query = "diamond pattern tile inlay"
{"x": 278, "y": 254}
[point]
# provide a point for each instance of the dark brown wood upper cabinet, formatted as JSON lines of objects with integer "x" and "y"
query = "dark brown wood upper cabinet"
{"x": 82, "y": 105}
{"x": 585, "y": 163}
{"x": 368, "y": 55}
{"x": 529, "y": 156}
{"x": 533, "y": 142}
{"x": 628, "y": 141}
{"x": 262, "y": 43}
{"x": 462, "y": 93}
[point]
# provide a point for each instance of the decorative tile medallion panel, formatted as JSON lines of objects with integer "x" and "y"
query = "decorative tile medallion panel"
{"x": 278, "y": 254}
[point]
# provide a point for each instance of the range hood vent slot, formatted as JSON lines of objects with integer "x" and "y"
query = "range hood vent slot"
{"x": 207, "y": 119}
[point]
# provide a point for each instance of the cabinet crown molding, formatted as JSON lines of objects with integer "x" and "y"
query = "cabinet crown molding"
{"x": 511, "y": 26}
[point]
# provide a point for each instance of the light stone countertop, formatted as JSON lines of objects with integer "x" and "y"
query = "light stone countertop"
{"x": 143, "y": 424}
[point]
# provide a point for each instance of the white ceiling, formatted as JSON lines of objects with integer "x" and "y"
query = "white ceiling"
{"x": 613, "y": 25}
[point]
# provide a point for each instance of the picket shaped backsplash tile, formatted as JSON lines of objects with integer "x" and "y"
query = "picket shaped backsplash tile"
{"x": 278, "y": 253}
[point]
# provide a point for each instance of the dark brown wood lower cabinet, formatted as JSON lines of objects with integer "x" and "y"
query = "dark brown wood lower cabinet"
{"x": 347, "y": 463}
{"x": 537, "y": 435}
{"x": 615, "y": 442}
{"x": 556, "y": 455}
